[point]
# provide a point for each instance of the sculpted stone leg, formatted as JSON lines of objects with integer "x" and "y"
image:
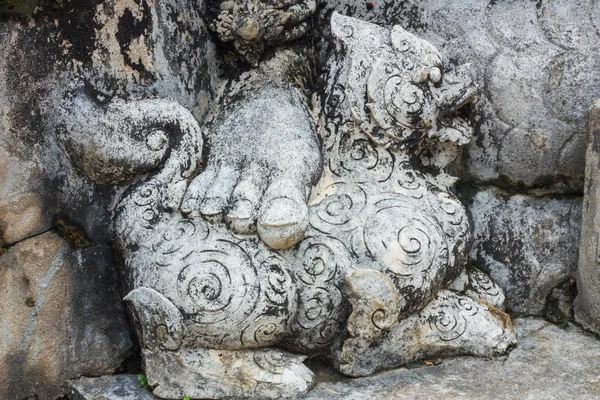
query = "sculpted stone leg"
{"x": 452, "y": 324}
{"x": 208, "y": 305}
{"x": 209, "y": 373}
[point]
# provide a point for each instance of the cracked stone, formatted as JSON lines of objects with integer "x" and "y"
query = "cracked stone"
{"x": 60, "y": 317}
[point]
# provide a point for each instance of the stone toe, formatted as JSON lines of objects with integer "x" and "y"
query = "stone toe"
{"x": 245, "y": 201}
{"x": 218, "y": 194}
{"x": 196, "y": 191}
{"x": 283, "y": 217}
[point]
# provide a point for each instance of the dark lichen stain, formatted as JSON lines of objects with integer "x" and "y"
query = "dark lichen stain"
{"x": 559, "y": 304}
{"x": 72, "y": 235}
{"x": 19, "y": 8}
{"x": 131, "y": 28}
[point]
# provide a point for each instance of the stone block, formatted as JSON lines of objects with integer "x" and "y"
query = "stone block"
{"x": 60, "y": 317}
{"x": 23, "y": 216}
{"x": 587, "y": 303}
{"x": 527, "y": 244}
{"x": 110, "y": 387}
{"x": 23, "y": 211}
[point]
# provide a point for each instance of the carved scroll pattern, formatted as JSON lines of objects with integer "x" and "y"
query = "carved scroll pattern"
{"x": 219, "y": 282}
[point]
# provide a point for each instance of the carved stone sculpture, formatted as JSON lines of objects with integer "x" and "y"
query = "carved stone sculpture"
{"x": 274, "y": 249}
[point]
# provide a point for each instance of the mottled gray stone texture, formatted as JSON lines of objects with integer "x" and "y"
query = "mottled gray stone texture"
{"x": 61, "y": 316}
{"x": 548, "y": 364}
{"x": 273, "y": 180}
{"x": 536, "y": 63}
{"x": 587, "y": 303}
{"x": 115, "y": 387}
{"x": 527, "y": 244}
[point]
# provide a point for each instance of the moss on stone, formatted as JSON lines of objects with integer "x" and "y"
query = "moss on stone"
{"x": 18, "y": 7}
{"x": 71, "y": 235}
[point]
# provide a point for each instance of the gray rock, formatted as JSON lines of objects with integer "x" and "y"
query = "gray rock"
{"x": 60, "y": 317}
{"x": 587, "y": 303}
{"x": 536, "y": 63}
{"x": 527, "y": 244}
{"x": 110, "y": 387}
{"x": 24, "y": 210}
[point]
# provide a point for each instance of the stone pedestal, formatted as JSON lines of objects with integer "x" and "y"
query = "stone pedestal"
{"x": 587, "y": 303}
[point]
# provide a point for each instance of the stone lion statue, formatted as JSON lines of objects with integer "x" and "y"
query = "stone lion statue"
{"x": 299, "y": 221}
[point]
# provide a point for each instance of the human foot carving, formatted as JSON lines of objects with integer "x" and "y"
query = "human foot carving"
{"x": 263, "y": 159}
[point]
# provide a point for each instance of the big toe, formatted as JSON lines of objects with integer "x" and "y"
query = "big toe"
{"x": 283, "y": 216}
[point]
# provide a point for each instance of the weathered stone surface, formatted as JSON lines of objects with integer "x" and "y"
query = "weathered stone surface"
{"x": 110, "y": 387}
{"x": 549, "y": 363}
{"x": 527, "y": 244}
{"x": 60, "y": 317}
{"x": 559, "y": 305}
{"x": 21, "y": 217}
{"x": 253, "y": 26}
{"x": 105, "y": 49}
{"x": 209, "y": 293}
{"x": 214, "y": 303}
{"x": 23, "y": 211}
{"x": 587, "y": 303}
{"x": 536, "y": 63}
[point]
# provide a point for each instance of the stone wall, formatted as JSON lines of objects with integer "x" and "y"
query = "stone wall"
{"x": 522, "y": 177}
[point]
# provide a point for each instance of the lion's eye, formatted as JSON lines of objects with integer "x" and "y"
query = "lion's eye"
{"x": 435, "y": 75}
